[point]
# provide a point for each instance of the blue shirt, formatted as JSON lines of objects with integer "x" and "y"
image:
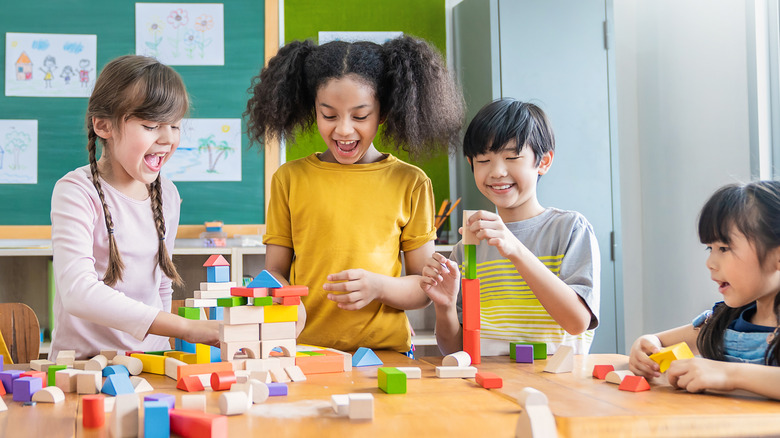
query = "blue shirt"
{"x": 743, "y": 341}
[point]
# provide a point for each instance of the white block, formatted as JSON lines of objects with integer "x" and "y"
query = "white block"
{"x": 617, "y": 376}
{"x": 243, "y": 314}
{"x": 229, "y": 350}
{"x": 277, "y": 330}
{"x": 246, "y": 388}
{"x": 239, "y": 332}
{"x": 3, "y": 406}
{"x": 89, "y": 382}
{"x": 97, "y": 363}
{"x": 213, "y": 294}
{"x": 67, "y": 380}
{"x": 562, "y": 361}
{"x": 262, "y": 364}
{"x": 49, "y": 394}
{"x": 340, "y": 403}
{"x": 411, "y": 372}
{"x": 200, "y": 302}
{"x": 278, "y": 375}
{"x": 124, "y": 418}
{"x": 361, "y": 406}
{"x": 133, "y": 364}
{"x": 140, "y": 384}
{"x": 287, "y": 346}
{"x": 66, "y": 357}
{"x": 260, "y": 391}
{"x": 172, "y": 367}
{"x": 286, "y": 362}
{"x": 536, "y": 419}
{"x": 459, "y": 359}
{"x": 195, "y": 402}
{"x": 37, "y": 364}
{"x": 108, "y": 404}
{"x": 232, "y": 402}
{"x": 108, "y": 354}
{"x": 217, "y": 286}
{"x": 295, "y": 373}
{"x": 205, "y": 380}
{"x": 456, "y": 372}
{"x": 262, "y": 376}
{"x": 242, "y": 376}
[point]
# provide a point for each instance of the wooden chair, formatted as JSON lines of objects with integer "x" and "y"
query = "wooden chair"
{"x": 21, "y": 331}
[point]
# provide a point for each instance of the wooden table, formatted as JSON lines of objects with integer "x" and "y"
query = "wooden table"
{"x": 583, "y": 406}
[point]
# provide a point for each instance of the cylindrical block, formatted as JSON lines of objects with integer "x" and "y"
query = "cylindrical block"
{"x": 260, "y": 391}
{"x": 233, "y": 402}
{"x": 92, "y": 410}
{"x": 97, "y": 363}
{"x": 459, "y": 359}
{"x": 133, "y": 364}
{"x": 222, "y": 380}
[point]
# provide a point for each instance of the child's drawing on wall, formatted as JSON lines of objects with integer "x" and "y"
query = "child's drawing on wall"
{"x": 190, "y": 34}
{"x": 18, "y": 151}
{"x": 49, "y": 65}
{"x": 209, "y": 150}
{"x": 67, "y": 73}
{"x": 84, "y": 72}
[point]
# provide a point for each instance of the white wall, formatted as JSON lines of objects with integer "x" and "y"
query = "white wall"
{"x": 682, "y": 94}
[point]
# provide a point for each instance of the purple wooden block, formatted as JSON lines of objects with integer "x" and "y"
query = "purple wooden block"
{"x": 25, "y": 387}
{"x": 8, "y": 377}
{"x": 277, "y": 389}
{"x": 168, "y": 399}
{"x": 2, "y": 362}
{"x": 524, "y": 353}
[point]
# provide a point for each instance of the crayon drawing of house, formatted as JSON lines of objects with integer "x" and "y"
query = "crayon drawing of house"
{"x": 23, "y": 68}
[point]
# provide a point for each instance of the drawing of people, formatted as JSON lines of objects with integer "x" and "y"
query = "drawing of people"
{"x": 84, "y": 72}
{"x": 49, "y": 65}
{"x": 67, "y": 73}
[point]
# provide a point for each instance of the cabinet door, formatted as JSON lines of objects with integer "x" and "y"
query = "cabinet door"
{"x": 553, "y": 53}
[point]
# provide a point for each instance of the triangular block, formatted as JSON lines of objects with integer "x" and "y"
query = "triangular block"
{"x": 117, "y": 384}
{"x": 190, "y": 384}
{"x": 3, "y": 407}
{"x": 216, "y": 260}
{"x": 365, "y": 357}
{"x": 634, "y": 384}
{"x": 140, "y": 384}
{"x": 265, "y": 279}
{"x": 562, "y": 361}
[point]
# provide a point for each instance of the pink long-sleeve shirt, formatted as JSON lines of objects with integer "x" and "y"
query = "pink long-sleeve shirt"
{"x": 90, "y": 316}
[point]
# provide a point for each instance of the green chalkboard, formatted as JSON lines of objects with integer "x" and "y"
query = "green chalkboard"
{"x": 215, "y": 91}
{"x": 304, "y": 19}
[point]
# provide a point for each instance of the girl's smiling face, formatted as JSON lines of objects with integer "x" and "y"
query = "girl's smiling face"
{"x": 348, "y": 120}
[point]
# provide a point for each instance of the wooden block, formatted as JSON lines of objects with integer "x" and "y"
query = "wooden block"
{"x": 411, "y": 372}
{"x": 108, "y": 354}
{"x": 51, "y": 374}
{"x": 222, "y": 380}
{"x": 218, "y": 274}
{"x": 291, "y": 301}
{"x": 262, "y": 301}
{"x": 262, "y": 364}
{"x": 340, "y": 403}
{"x": 201, "y": 302}
{"x": 265, "y": 279}
{"x": 260, "y": 391}
{"x": 279, "y": 375}
{"x": 277, "y": 330}
{"x": 540, "y": 349}
{"x": 190, "y": 383}
{"x": 456, "y": 372}
{"x": 295, "y": 373}
{"x": 470, "y": 262}
{"x": 458, "y": 359}
{"x": 524, "y": 353}
{"x": 488, "y": 380}
{"x": 67, "y": 380}
{"x": 49, "y": 394}
{"x": 194, "y": 424}
{"x": 600, "y": 371}
{"x": 66, "y": 357}
{"x": 471, "y": 304}
{"x": 287, "y": 346}
{"x": 124, "y": 419}
{"x": 151, "y": 363}
{"x": 262, "y": 376}
{"x": 239, "y": 332}
{"x": 245, "y": 388}
{"x": 205, "y": 368}
{"x": 279, "y": 313}
{"x": 249, "y": 292}
{"x": 118, "y": 384}
{"x": 617, "y": 376}
{"x": 361, "y": 406}
{"x": 134, "y": 365}
{"x": 168, "y": 399}
{"x": 233, "y": 402}
{"x": 233, "y": 301}
{"x": 667, "y": 355}
{"x": 195, "y": 402}
{"x": 92, "y": 411}
{"x": 38, "y": 364}
{"x": 225, "y": 285}
{"x": 211, "y": 294}
{"x": 562, "y": 361}
{"x": 140, "y": 384}
{"x": 89, "y": 382}
{"x": 290, "y": 291}
{"x": 172, "y": 367}
{"x": 471, "y": 345}
{"x": 469, "y": 237}
{"x": 157, "y": 423}
{"x": 320, "y": 364}
{"x": 244, "y": 315}
{"x": 193, "y": 313}
{"x": 536, "y": 419}
{"x": 634, "y": 384}
{"x": 391, "y": 380}
{"x": 276, "y": 389}
{"x": 228, "y": 350}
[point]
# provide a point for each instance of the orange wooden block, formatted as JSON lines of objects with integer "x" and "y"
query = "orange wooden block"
{"x": 290, "y": 291}
{"x": 253, "y": 292}
{"x": 634, "y": 384}
{"x": 202, "y": 368}
{"x": 320, "y": 364}
{"x": 190, "y": 384}
{"x": 471, "y": 316}
{"x": 2, "y": 389}
{"x": 471, "y": 345}
{"x": 222, "y": 380}
{"x": 600, "y": 371}
{"x": 197, "y": 424}
{"x": 291, "y": 301}
{"x": 488, "y": 380}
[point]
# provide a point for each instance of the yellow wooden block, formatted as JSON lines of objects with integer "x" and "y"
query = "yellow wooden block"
{"x": 189, "y": 358}
{"x": 153, "y": 363}
{"x": 202, "y": 353}
{"x": 280, "y": 313}
{"x": 666, "y": 355}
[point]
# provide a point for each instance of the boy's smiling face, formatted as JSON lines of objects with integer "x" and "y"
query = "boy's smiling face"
{"x": 508, "y": 179}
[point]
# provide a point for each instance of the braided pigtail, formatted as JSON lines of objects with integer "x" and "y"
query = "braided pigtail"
{"x": 163, "y": 259}
{"x": 115, "y": 266}
{"x": 281, "y": 102}
{"x": 422, "y": 105}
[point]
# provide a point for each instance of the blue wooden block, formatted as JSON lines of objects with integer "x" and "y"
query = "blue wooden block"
{"x": 216, "y": 313}
{"x": 216, "y": 355}
{"x": 115, "y": 369}
{"x": 265, "y": 279}
{"x": 524, "y": 353}
{"x": 117, "y": 384}
{"x": 218, "y": 274}
{"x": 365, "y": 357}
{"x": 187, "y": 347}
{"x": 25, "y": 387}
{"x": 157, "y": 422}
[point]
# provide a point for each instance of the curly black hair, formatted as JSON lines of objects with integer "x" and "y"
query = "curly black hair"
{"x": 419, "y": 102}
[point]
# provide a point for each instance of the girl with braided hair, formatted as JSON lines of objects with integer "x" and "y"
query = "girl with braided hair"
{"x": 339, "y": 221}
{"x": 114, "y": 221}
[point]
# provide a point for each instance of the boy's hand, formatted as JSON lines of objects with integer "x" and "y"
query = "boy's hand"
{"x": 440, "y": 280}
{"x": 490, "y": 227}
{"x": 356, "y": 287}
{"x": 698, "y": 374}
{"x": 639, "y": 361}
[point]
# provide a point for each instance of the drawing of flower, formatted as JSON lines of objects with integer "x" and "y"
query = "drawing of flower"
{"x": 155, "y": 28}
{"x": 204, "y": 23}
{"x": 178, "y": 17}
{"x": 156, "y": 25}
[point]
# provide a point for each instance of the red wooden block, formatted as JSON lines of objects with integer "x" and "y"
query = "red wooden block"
{"x": 600, "y": 371}
{"x": 216, "y": 260}
{"x": 634, "y": 384}
{"x": 128, "y": 353}
{"x": 291, "y": 301}
{"x": 253, "y": 292}
{"x": 471, "y": 316}
{"x": 197, "y": 424}
{"x": 488, "y": 380}
{"x": 93, "y": 414}
{"x": 2, "y": 389}
{"x": 290, "y": 291}
{"x": 39, "y": 374}
{"x": 190, "y": 384}
{"x": 222, "y": 380}
{"x": 471, "y": 345}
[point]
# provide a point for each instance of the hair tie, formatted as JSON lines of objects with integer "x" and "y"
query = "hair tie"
{"x": 110, "y": 231}
{"x": 162, "y": 239}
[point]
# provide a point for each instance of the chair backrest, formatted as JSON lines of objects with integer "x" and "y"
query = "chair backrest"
{"x": 21, "y": 331}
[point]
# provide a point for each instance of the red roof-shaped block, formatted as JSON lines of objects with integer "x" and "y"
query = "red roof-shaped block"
{"x": 197, "y": 424}
{"x": 488, "y": 380}
{"x": 634, "y": 384}
{"x": 600, "y": 371}
{"x": 190, "y": 384}
{"x": 216, "y": 260}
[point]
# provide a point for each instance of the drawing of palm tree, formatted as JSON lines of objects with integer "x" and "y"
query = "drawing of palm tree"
{"x": 216, "y": 151}
{"x": 16, "y": 143}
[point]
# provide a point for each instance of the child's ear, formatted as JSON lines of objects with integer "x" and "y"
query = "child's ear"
{"x": 102, "y": 127}
{"x": 545, "y": 162}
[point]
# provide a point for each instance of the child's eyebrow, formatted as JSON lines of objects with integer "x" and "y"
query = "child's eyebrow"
{"x": 365, "y": 105}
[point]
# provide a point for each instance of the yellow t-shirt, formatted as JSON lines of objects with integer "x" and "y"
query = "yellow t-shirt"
{"x": 337, "y": 217}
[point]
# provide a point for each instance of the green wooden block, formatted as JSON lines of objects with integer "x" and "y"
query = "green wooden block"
{"x": 470, "y": 261}
{"x": 391, "y": 380}
{"x": 232, "y": 302}
{"x": 540, "y": 349}
{"x": 263, "y": 301}
{"x": 189, "y": 312}
{"x": 158, "y": 353}
{"x": 52, "y": 381}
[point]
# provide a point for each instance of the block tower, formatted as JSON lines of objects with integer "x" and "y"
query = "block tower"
{"x": 470, "y": 293}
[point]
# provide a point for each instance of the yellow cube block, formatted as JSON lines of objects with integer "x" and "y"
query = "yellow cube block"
{"x": 671, "y": 353}
{"x": 280, "y": 313}
{"x": 153, "y": 363}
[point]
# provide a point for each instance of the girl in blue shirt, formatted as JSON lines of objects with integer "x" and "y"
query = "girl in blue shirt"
{"x": 740, "y": 224}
